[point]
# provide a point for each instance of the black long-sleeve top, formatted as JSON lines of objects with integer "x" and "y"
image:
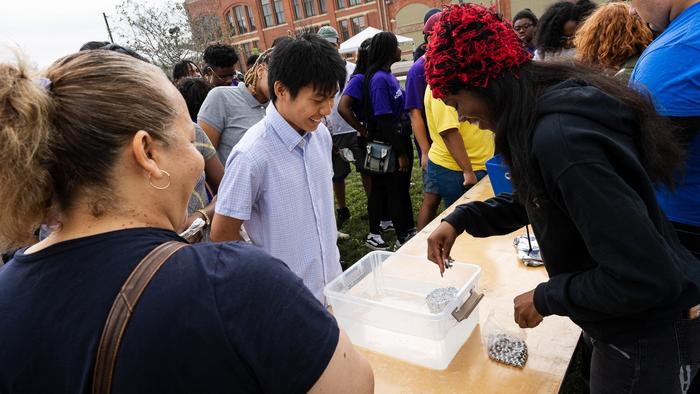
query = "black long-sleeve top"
{"x": 615, "y": 264}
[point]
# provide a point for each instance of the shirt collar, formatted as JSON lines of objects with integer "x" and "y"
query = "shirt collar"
{"x": 249, "y": 98}
{"x": 289, "y": 136}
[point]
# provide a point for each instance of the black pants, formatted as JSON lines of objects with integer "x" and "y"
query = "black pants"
{"x": 689, "y": 237}
{"x": 665, "y": 362}
{"x": 392, "y": 191}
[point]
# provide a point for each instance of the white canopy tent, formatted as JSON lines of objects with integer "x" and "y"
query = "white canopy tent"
{"x": 355, "y": 41}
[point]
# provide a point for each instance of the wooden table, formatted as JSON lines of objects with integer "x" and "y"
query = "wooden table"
{"x": 503, "y": 277}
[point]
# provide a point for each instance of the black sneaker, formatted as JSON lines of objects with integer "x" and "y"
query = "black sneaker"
{"x": 402, "y": 240}
{"x": 343, "y": 214}
{"x": 376, "y": 242}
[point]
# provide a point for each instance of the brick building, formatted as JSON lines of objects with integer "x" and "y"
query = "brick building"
{"x": 253, "y": 24}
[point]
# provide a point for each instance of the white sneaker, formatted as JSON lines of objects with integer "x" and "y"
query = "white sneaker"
{"x": 342, "y": 235}
{"x": 386, "y": 225}
{"x": 375, "y": 242}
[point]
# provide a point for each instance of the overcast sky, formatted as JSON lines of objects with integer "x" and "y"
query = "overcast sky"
{"x": 46, "y": 30}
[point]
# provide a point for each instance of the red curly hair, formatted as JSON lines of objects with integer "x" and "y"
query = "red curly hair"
{"x": 610, "y": 36}
{"x": 470, "y": 46}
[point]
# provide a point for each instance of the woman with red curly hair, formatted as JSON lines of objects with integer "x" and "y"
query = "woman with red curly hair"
{"x": 584, "y": 152}
{"x": 612, "y": 39}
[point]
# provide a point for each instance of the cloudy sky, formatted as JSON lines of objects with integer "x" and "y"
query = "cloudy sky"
{"x": 46, "y": 30}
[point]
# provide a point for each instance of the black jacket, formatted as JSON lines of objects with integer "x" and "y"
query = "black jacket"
{"x": 615, "y": 264}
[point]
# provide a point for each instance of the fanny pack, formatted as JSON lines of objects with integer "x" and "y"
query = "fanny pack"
{"x": 380, "y": 158}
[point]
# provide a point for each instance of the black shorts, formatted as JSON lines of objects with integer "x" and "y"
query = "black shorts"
{"x": 357, "y": 145}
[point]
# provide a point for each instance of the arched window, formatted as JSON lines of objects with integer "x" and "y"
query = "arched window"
{"x": 240, "y": 20}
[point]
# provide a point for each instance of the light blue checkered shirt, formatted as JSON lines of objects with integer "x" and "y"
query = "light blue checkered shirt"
{"x": 280, "y": 184}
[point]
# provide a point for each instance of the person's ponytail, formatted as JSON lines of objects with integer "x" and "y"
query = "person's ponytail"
{"x": 25, "y": 131}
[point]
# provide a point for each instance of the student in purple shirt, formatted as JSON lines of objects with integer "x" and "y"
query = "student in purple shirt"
{"x": 384, "y": 111}
{"x": 351, "y": 105}
{"x": 415, "y": 92}
{"x": 351, "y": 109}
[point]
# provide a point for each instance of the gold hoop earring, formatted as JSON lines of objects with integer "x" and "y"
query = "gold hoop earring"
{"x": 159, "y": 187}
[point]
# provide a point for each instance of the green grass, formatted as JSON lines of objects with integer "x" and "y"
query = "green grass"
{"x": 357, "y": 226}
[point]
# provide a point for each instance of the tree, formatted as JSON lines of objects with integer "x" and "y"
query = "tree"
{"x": 164, "y": 33}
{"x": 205, "y": 30}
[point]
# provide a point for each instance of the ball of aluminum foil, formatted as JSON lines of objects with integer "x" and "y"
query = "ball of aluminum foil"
{"x": 438, "y": 299}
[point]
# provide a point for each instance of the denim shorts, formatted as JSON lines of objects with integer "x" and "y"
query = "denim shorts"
{"x": 448, "y": 184}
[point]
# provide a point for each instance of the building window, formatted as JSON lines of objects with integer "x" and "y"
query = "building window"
{"x": 241, "y": 23}
{"x": 251, "y": 20}
{"x": 322, "y": 7}
{"x": 344, "y": 29}
{"x": 297, "y": 10}
{"x": 339, "y": 4}
{"x": 267, "y": 13}
{"x": 354, "y": 2}
{"x": 358, "y": 24}
{"x": 230, "y": 24}
{"x": 279, "y": 12}
{"x": 309, "y": 7}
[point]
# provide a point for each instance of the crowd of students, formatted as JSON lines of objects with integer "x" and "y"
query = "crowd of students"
{"x": 111, "y": 158}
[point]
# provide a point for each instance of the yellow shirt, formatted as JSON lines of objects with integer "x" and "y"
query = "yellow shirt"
{"x": 441, "y": 117}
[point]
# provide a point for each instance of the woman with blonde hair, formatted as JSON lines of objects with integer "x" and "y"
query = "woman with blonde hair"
{"x": 107, "y": 141}
{"x": 612, "y": 39}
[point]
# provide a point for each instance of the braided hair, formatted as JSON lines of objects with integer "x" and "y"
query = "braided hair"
{"x": 251, "y": 76}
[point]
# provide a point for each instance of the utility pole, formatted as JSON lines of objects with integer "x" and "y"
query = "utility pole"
{"x": 108, "y": 29}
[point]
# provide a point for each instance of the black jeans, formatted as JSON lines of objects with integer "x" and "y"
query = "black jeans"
{"x": 665, "y": 362}
{"x": 392, "y": 191}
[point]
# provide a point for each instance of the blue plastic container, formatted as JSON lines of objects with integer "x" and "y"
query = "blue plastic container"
{"x": 499, "y": 175}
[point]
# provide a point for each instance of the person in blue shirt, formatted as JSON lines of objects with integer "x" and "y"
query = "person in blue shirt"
{"x": 384, "y": 111}
{"x": 106, "y": 140}
{"x": 669, "y": 70}
{"x": 278, "y": 178}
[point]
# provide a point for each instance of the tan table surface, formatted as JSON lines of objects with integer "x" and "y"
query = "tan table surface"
{"x": 550, "y": 345}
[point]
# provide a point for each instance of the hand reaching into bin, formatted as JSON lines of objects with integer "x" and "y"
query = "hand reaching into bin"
{"x": 440, "y": 243}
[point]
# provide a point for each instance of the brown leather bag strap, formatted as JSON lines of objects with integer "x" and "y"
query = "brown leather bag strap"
{"x": 121, "y": 312}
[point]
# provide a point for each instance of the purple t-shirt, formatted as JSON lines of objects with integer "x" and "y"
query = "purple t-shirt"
{"x": 355, "y": 89}
{"x": 415, "y": 85}
{"x": 386, "y": 95}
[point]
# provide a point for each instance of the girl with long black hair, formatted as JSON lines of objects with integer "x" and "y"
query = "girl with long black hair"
{"x": 352, "y": 108}
{"x": 351, "y": 105}
{"x": 556, "y": 30}
{"x": 584, "y": 154}
{"x": 384, "y": 112}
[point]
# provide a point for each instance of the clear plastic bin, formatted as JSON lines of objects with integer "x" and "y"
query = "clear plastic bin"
{"x": 380, "y": 303}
